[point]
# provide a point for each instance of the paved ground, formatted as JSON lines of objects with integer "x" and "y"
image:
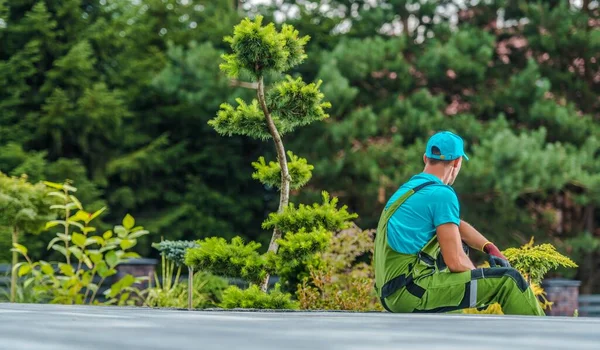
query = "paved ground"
{"x": 50, "y": 327}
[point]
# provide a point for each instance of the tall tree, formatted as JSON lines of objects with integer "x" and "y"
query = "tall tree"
{"x": 101, "y": 93}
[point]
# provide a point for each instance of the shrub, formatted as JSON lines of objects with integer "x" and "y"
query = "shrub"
{"x": 88, "y": 257}
{"x": 533, "y": 262}
{"x": 340, "y": 280}
{"x": 25, "y": 209}
{"x": 206, "y": 288}
{"x": 207, "y": 292}
{"x": 254, "y": 298}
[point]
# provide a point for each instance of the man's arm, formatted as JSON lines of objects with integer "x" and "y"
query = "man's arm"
{"x": 451, "y": 247}
{"x": 476, "y": 240}
{"x": 471, "y": 236}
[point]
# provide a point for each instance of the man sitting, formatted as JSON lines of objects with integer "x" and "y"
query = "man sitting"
{"x": 420, "y": 261}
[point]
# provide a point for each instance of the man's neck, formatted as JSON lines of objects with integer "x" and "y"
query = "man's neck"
{"x": 436, "y": 171}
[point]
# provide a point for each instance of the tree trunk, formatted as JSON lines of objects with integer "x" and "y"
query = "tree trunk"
{"x": 190, "y": 287}
{"x": 15, "y": 260}
{"x": 590, "y": 259}
{"x": 284, "y": 196}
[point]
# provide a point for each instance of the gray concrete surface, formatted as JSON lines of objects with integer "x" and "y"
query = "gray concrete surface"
{"x": 53, "y": 327}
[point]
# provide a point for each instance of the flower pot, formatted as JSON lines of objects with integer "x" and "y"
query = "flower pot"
{"x": 564, "y": 294}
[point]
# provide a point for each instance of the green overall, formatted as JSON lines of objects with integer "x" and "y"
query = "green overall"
{"x": 422, "y": 282}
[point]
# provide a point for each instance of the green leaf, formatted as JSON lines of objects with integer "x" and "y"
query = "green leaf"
{"x": 53, "y": 185}
{"x": 93, "y": 287}
{"x": 64, "y": 237}
{"x": 88, "y": 229}
{"x": 53, "y": 223}
{"x": 105, "y": 272}
{"x": 128, "y": 222}
{"x": 111, "y": 259}
{"x": 24, "y": 269}
{"x": 52, "y": 242}
{"x": 79, "y": 239}
{"x": 127, "y": 243}
{"x": 97, "y": 213}
{"x": 76, "y": 201}
{"x": 95, "y": 256}
{"x": 58, "y": 206}
{"x": 113, "y": 241}
{"x": 108, "y": 247}
{"x": 81, "y": 215}
{"x": 124, "y": 297}
{"x": 108, "y": 234}
{"x": 69, "y": 188}
{"x": 86, "y": 278}
{"x": 75, "y": 223}
{"x": 87, "y": 261}
{"x": 66, "y": 269}
{"x": 130, "y": 255}
{"x": 28, "y": 282}
{"x": 47, "y": 269}
{"x": 124, "y": 283}
{"x": 58, "y": 194}
{"x": 76, "y": 252}
{"x": 94, "y": 240}
{"x": 60, "y": 249}
{"x": 17, "y": 266}
{"x": 20, "y": 248}
{"x": 138, "y": 234}
{"x": 121, "y": 231}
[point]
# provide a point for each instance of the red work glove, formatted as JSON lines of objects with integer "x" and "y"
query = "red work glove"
{"x": 491, "y": 249}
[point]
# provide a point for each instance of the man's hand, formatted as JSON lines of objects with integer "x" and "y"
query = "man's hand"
{"x": 452, "y": 249}
{"x": 491, "y": 249}
{"x": 496, "y": 261}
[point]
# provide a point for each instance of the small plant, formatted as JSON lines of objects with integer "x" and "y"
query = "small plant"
{"x": 340, "y": 280}
{"x": 207, "y": 292}
{"x": 172, "y": 255}
{"x": 533, "y": 262}
{"x": 254, "y": 298}
{"x": 90, "y": 259}
{"x": 24, "y": 293}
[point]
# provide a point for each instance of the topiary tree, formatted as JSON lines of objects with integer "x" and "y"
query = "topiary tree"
{"x": 299, "y": 232}
{"x": 25, "y": 209}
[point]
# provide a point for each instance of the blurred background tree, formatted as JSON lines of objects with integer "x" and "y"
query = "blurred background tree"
{"x": 116, "y": 96}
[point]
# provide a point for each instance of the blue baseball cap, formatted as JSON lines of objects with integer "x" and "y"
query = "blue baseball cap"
{"x": 450, "y": 146}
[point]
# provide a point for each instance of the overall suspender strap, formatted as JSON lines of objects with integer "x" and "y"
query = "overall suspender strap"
{"x": 403, "y": 281}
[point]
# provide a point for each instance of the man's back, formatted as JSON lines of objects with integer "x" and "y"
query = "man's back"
{"x": 415, "y": 222}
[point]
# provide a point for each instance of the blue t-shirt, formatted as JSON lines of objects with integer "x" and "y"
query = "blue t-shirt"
{"x": 415, "y": 221}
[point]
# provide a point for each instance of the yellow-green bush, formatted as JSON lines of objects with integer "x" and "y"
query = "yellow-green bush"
{"x": 533, "y": 262}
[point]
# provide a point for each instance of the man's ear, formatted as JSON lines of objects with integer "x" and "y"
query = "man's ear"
{"x": 424, "y": 159}
{"x": 456, "y": 163}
